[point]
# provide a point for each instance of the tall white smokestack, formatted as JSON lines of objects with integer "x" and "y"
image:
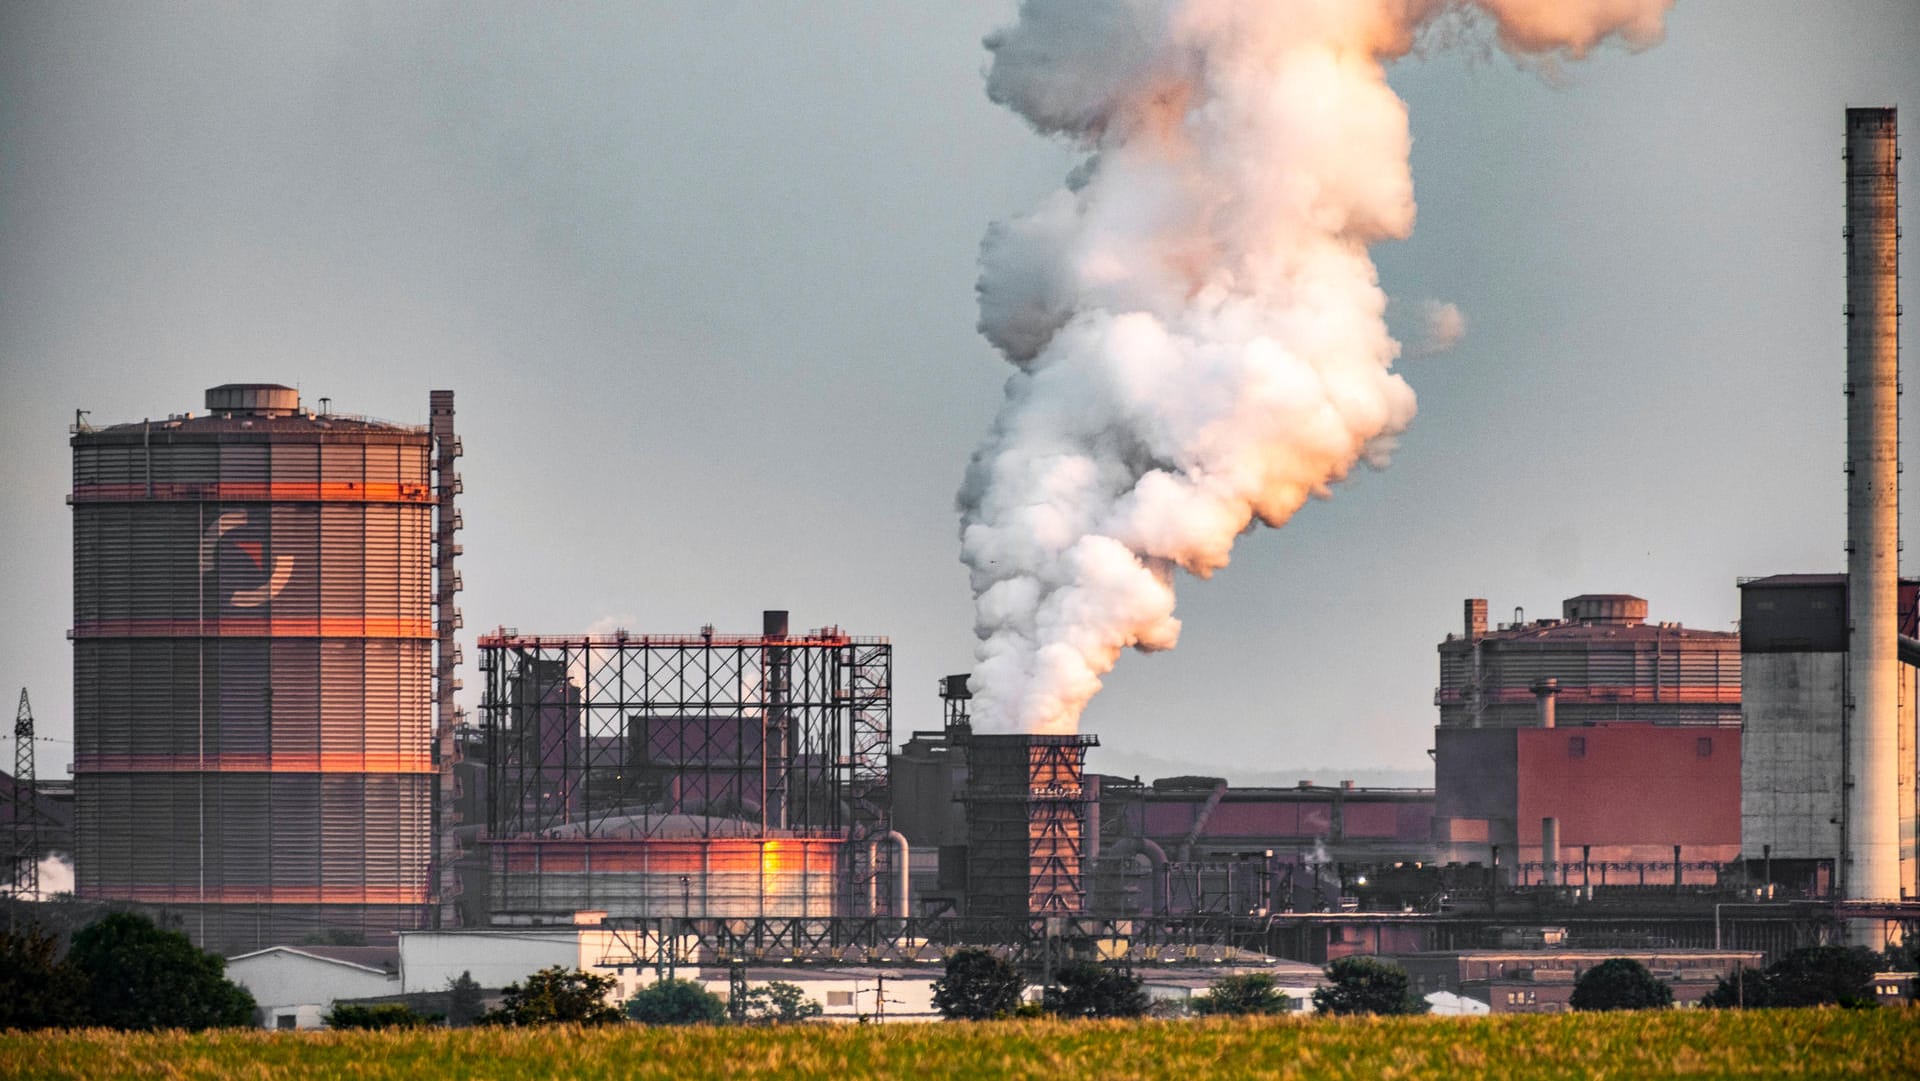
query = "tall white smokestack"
{"x": 1873, "y": 509}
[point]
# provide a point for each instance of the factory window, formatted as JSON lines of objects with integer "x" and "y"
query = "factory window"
{"x": 1576, "y": 746}
{"x": 1703, "y": 746}
{"x": 839, "y": 998}
{"x": 285, "y": 1021}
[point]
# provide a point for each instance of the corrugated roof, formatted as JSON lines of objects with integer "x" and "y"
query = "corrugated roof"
{"x": 384, "y": 959}
{"x": 209, "y": 424}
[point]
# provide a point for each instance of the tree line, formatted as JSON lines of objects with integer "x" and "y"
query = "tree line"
{"x": 124, "y": 972}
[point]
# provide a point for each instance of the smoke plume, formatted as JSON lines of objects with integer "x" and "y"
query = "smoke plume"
{"x": 1442, "y": 325}
{"x": 1196, "y": 325}
{"x": 56, "y": 877}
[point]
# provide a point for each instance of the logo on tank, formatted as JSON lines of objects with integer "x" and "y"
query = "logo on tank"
{"x": 238, "y": 548}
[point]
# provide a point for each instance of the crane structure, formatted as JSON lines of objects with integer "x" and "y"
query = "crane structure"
{"x": 23, "y": 860}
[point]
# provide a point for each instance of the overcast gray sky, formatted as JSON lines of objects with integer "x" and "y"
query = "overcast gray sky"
{"x": 702, "y": 278}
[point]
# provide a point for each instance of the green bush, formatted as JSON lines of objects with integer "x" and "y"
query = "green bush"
{"x": 141, "y": 977}
{"x": 978, "y": 986}
{"x": 1620, "y": 983}
{"x": 463, "y": 1001}
{"x": 1367, "y": 985}
{"x": 677, "y": 1002}
{"x": 1811, "y": 976}
{"x": 1235, "y": 996}
{"x": 1086, "y": 989}
{"x": 37, "y": 988}
{"x": 378, "y": 1015}
{"x": 556, "y": 996}
{"x": 775, "y": 1003}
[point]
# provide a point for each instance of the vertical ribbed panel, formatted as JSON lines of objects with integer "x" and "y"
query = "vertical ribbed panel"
{"x": 253, "y": 667}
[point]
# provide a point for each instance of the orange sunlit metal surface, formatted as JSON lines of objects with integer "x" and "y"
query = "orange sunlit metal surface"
{"x": 256, "y": 627}
{"x": 279, "y": 762}
{"x": 243, "y": 492}
{"x": 264, "y": 895}
{"x": 254, "y": 635}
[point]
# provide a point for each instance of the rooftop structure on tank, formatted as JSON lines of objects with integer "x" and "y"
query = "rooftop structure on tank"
{"x": 1600, "y": 662}
{"x": 259, "y": 595}
{"x": 687, "y": 775}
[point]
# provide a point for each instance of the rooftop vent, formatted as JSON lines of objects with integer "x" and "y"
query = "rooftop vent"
{"x": 253, "y": 399}
{"x": 1622, "y": 608}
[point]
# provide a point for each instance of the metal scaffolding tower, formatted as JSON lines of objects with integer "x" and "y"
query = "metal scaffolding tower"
{"x": 23, "y": 861}
{"x": 632, "y": 736}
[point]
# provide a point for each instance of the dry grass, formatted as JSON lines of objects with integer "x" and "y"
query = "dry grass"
{"x": 1692, "y": 1043}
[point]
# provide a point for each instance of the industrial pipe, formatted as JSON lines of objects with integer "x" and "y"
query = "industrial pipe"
{"x": 1550, "y": 850}
{"x": 903, "y": 902}
{"x": 1200, "y": 821}
{"x": 1544, "y": 693}
{"x": 1910, "y": 651}
{"x": 903, "y": 897}
{"x": 1157, "y": 864}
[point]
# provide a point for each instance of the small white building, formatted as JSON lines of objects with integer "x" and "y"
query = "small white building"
{"x": 496, "y": 957}
{"x": 295, "y": 986}
{"x": 845, "y": 993}
{"x": 1294, "y": 980}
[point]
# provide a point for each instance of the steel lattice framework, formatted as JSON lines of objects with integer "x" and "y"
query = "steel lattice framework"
{"x": 708, "y": 735}
{"x": 23, "y": 862}
{"x": 1027, "y": 838}
{"x": 1033, "y": 942}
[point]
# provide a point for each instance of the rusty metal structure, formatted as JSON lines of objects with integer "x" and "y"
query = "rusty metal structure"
{"x": 1028, "y": 839}
{"x": 254, "y": 643}
{"x": 684, "y": 775}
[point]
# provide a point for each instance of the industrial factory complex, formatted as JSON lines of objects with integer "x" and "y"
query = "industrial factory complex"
{"x": 268, "y": 751}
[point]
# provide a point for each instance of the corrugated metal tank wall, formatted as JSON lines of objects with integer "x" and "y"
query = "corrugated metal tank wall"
{"x": 253, "y": 656}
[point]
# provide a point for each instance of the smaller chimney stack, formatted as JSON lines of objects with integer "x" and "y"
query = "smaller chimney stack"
{"x": 1476, "y": 618}
{"x": 1544, "y": 693}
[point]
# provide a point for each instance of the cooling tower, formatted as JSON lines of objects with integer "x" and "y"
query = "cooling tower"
{"x": 254, "y": 664}
{"x": 1873, "y": 505}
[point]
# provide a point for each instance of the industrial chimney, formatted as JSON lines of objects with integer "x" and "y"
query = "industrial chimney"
{"x": 1873, "y": 508}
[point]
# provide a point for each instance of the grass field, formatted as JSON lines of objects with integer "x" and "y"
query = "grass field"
{"x": 1881, "y": 1043}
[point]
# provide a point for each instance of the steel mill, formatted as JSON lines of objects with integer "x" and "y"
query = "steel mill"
{"x": 268, "y": 747}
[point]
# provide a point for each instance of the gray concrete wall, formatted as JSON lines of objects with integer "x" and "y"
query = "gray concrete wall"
{"x": 1791, "y": 756}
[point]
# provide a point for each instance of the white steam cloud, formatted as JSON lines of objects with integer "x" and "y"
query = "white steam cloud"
{"x": 56, "y": 877}
{"x": 1197, "y": 327}
{"x": 1442, "y": 325}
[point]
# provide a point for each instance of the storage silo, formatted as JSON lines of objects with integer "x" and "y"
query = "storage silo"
{"x": 254, "y": 635}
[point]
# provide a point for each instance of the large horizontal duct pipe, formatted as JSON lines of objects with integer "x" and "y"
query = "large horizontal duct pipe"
{"x": 1910, "y": 651}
